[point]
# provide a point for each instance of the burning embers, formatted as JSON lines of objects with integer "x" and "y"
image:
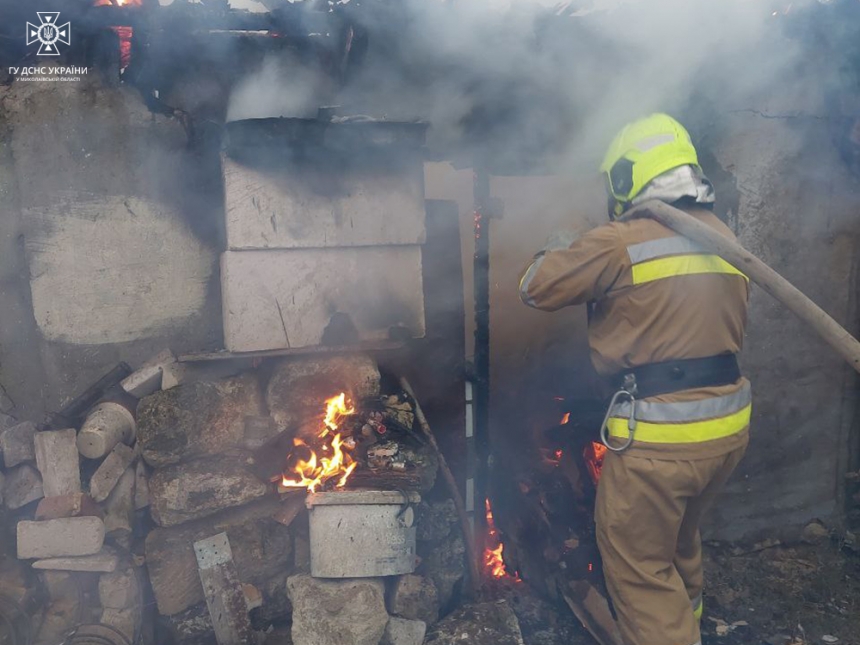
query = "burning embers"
{"x": 374, "y": 436}
{"x": 334, "y": 461}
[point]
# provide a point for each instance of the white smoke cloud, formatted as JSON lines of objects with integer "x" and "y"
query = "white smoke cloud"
{"x": 532, "y": 73}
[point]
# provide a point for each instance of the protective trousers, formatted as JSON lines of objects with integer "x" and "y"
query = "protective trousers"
{"x": 648, "y": 513}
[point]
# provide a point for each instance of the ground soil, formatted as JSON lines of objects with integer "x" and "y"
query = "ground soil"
{"x": 768, "y": 594}
{"x": 805, "y": 592}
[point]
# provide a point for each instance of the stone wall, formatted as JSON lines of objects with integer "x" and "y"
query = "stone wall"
{"x": 111, "y": 228}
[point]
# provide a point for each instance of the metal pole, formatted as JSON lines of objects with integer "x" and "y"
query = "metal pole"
{"x": 481, "y": 392}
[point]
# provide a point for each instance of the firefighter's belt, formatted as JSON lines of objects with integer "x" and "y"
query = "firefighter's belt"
{"x": 655, "y": 379}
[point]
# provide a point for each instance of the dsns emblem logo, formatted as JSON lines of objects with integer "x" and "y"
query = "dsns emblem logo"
{"x": 49, "y": 33}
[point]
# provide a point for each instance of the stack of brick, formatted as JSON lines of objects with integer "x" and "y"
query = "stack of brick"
{"x": 107, "y": 516}
{"x": 78, "y": 500}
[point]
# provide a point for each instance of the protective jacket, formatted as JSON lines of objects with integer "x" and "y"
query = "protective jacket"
{"x": 656, "y": 297}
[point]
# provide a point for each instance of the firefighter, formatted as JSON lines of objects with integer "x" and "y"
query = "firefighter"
{"x": 667, "y": 321}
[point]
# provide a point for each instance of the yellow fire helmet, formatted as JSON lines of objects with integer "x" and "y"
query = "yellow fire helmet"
{"x": 643, "y": 150}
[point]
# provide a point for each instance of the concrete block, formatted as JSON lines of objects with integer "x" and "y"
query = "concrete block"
{"x": 17, "y": 444}
{"x": 147, "y": 378}
{"x": 118, "y": 590}
{"x": 23, "y": 485}
{"x": 57, "y": 460}
{"x": 104, "y": 561}
{"x": 70, "y": 536}
{"x": 301, "y": 298}
{"x": 107, "y": 425}
{"x": 74, "y": 505}
{"x": 111, "y": 469}
{"x": 400, "y": 631}
{"x": 311, "y": 207}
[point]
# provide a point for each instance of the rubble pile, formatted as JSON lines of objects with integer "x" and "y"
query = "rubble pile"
{"x": 115, "y": 520}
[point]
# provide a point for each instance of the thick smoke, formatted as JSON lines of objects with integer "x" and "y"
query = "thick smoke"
{"x": 517, "y": 82}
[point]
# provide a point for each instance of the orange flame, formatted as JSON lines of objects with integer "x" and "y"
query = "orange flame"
{"x": 594, "y": 454}
{"x": 315, "y": 471}
{"x": 336, "y": 408}
{"x": 494, "y": 561}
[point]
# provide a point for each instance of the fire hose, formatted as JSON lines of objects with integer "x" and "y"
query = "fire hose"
{"x": 794, "y": 300}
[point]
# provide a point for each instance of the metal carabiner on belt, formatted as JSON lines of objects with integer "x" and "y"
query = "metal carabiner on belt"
{"x": 628, "y": 389}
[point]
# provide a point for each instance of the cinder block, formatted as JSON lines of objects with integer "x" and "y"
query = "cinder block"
{"x": 307, "y": 206}
{"x": 69, "y": 536}
{"x": 296, "y": 298}
{"x": 57, "y": 460}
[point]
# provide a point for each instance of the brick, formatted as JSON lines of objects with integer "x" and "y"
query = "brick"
{"x": 23, "y": 485}
{"x": 120, "y": 505}
{"x": 74, "y": 505}
{"x": 118, "y": 590}
{"x": 269, "y": 302}
{"x": 104, "y": 561}
{"x": 17, "y": 444}
{"x": 109, "y": 472}
{"x": 147, "y": 378}
{"x": 58, "y": 461}
{"x": 55, "y": 538}
{"x": 400, "y": 631}
{"x": 107, "y": 425}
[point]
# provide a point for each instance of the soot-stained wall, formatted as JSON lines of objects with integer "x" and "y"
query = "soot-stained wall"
{"x": 111, "y": 232}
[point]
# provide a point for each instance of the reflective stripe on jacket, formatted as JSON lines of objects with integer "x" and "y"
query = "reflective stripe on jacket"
{"x": 657, "y": 297}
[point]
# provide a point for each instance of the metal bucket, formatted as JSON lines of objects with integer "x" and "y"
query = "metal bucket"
{"x": 361, "y": 534}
